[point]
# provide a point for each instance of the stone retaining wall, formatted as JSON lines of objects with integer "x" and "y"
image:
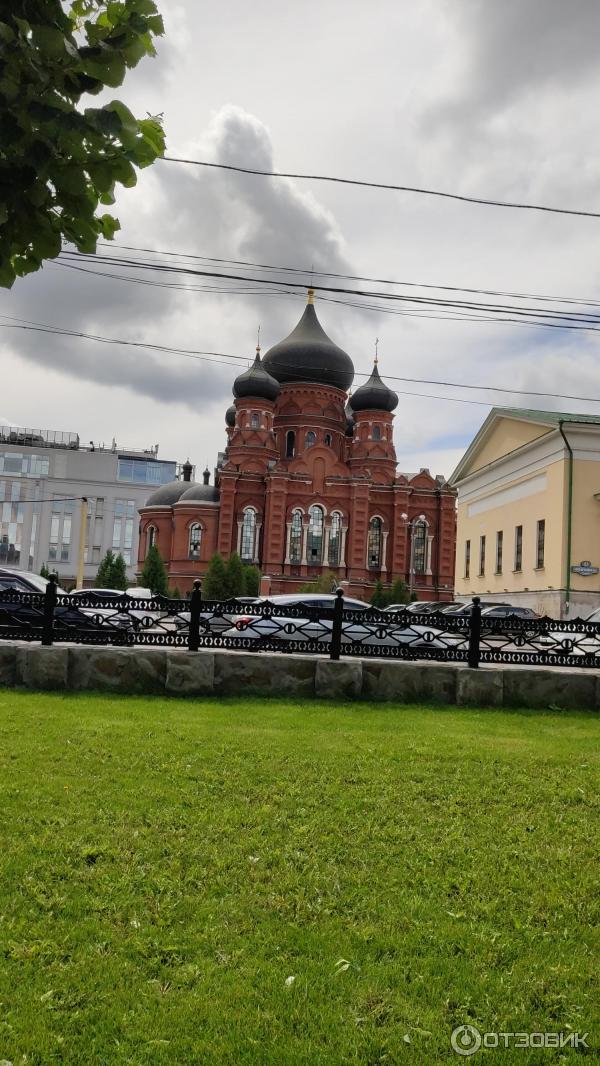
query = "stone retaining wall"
{"x": 178, "y": 672}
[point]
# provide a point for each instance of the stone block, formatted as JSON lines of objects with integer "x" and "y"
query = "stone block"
{"x": 524, "y": 687}
{"x": 483, "y": 687}
{"x": 43, "y": 667}
{"x": 128, "y": 670}
{"x": 8, "y": 665}
{"x": 338, "y": 680}
{"x": 275, "y": 675}
{"x": 190, "y": 673}
{"x": 409, "y": 682}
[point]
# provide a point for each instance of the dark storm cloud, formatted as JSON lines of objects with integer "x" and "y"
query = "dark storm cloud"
{"x": 196, "y": 212}
{"x": 518, "y": 46}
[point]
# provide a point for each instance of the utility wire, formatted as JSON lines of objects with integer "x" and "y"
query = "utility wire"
{"x": 384, "y": 185}
{"x": 306, "y": 273}
{"x": 222, "y": 356}
{"x": 525, "y": 312}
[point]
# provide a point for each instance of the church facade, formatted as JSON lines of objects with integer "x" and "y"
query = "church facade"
{"x": 308, "y": 482}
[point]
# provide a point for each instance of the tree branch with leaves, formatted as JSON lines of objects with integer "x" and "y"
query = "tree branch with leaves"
{"x": 59, "y": 163}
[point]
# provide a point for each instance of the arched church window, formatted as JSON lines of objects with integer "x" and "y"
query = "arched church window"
{"x": 335, "y": 539}
{"x": 195, "y": 540}
{"x": 328, "y": 440}
{"x": 296, "y": 538}
{"x": 419, "y": 547}
{"x": 374, "y": 551}
{"x": 376, "y": 432}
{"x": 290, "y": 444}
{"x": 151, "y": 537}
{"x": 248, "y": 535}
{"x": 314, "y": 552}
{"x": 254, "y": 420}
{"x": 311, "y": 439}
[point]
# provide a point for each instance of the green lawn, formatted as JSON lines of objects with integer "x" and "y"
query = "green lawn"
{"x": 168, "y": 867}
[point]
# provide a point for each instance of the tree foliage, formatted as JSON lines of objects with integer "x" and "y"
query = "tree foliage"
{"x": 154, "y": 572}
{"x": 378, "y": 597}
{"x": 44, "y": 572}
{"x": 112, "y": 573}
{"x": 327, "y": 582}
{"x": 251, "y": 580}
{"x": 213, "y": 586}
{"x": 234, "y": 577}
{"x": 59, "y": 162}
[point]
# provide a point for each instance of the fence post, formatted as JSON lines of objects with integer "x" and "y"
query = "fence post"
{"x": 336, "y": 629}
{"x": 474, "y": 633}
{"x": 195, "y": 608}
{"x": 49, "y": 605}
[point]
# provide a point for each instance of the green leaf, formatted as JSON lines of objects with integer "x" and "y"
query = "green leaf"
{"x": 48, "y": 40}
{"x": 109, "y": 226}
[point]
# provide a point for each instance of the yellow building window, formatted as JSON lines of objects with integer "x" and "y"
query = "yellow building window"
{"x": 481, "y": 556}
{"x": 540, "y": 544}
{"x": 467, "y": 558}
{"x": 518, "y": 548}
{"x": 499, "y": 545}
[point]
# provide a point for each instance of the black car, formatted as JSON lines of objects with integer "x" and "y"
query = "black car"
{"x": 22, "y": 613}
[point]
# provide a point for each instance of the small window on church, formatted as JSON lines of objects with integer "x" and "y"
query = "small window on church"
{"x": 328, "y": 440}
{"x": 254, "y": 420}
{"x": 376, "y": 432}
{"x": 195, "y": 541}
{"x": 311, "y": 439}
{"x": 290, "y": 444}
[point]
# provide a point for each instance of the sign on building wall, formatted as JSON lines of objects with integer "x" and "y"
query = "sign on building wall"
{"x": 585, "y": 569}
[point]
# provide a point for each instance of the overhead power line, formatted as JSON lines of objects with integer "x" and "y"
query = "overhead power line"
{"x": 384, "y": 185}
{"x": 307, "y": 272}
{"x": 540, "y": 316}
{"x": 228, "y": 358}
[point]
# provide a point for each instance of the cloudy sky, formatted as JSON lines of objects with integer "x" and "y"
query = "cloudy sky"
{"x": 471, "y": 96}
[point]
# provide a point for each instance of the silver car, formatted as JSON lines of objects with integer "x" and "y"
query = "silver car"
{"x": 303, "y": 626}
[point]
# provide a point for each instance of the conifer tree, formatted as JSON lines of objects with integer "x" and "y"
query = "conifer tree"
{"x": 234, "y": 577}
{"x": 251, "y": 580}
{"x": 213, "y": 586}
{"x": 378, "y": 597}
{"x": 398, "y": 592}
{"x": 119, "y": 573}
{"x": 105, "y": 572}
{"x": 154, "y": 572}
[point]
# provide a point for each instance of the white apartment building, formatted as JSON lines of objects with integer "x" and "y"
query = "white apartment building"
{"x": 44, "y": 476}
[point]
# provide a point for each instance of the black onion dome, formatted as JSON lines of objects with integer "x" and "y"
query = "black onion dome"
{"x": 374, "y": 395}
{"x": 200, "y": 494}
{"x": 168, "y": 494}
{"x": 230, "y": 416}
{"x": 256, "y": 382}
{"x": 308, "y": 354}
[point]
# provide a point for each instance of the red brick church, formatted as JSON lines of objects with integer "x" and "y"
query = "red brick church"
{"x": 308, "y": 481}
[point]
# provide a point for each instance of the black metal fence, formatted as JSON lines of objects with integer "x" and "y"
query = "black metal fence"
{"x": 97, "y": 618}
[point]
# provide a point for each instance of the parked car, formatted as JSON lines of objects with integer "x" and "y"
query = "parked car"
{"x": 506, "y": 610}
{"x": 420, "y": 606}
{"x": 27, "y": 615}
{"x": 312, "y": 626}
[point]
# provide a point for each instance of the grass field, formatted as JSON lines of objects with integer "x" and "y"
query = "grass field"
{"x": 257, "y": 882}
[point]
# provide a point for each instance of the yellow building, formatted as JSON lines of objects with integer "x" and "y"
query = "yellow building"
{"x": 529, "y": 512}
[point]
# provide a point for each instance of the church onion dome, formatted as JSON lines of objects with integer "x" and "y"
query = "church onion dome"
{"x": 309, "y": 355}
{"x": 374, "y": 395}
{"x": 230, "y": 416}
{"x": 167, "y": 494}
{"x": 256, "y": 382}
{"x": 200, "y": 494}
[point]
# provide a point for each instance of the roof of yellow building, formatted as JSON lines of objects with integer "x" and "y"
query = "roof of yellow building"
{"x": 481, "y": 448}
